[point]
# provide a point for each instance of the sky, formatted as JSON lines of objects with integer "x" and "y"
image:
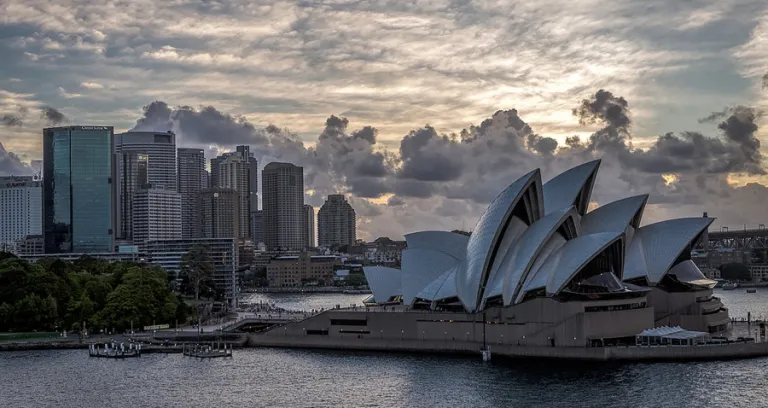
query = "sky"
{"x": 420, "y": 111}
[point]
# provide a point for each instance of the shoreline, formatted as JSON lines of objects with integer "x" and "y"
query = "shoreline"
{"x": 313, "y": 290}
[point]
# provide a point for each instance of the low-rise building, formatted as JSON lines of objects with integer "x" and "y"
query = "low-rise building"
{"x": 107, "y": 256}
{"x": 303, "y": 269}
{"x": 169, "y": 254}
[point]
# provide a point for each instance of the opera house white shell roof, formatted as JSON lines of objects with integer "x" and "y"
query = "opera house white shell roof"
{"x": 538, "y": 239}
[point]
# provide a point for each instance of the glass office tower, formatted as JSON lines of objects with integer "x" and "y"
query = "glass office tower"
{"x": 78, "y": 192}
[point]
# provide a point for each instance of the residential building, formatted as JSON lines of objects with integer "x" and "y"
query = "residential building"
{"x": 303, "y": 269}
{"x": 220, "y": 213}
{"x": 21, "y": 205}
{"x": 253, "y": 177}
{"x": 79, "y": 189}
{"x": 309, "y": 226}
{"x": 336, "y": 223}
{"x": 222, "y": 252}
{"x": 238, "y": 170}
{"x": 283, "y": 206}
{"x": 156, "y": 215}
{"x": 192, "y": 178}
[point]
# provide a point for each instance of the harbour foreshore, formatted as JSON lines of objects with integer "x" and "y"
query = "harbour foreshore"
{"x": 621, "y": 353}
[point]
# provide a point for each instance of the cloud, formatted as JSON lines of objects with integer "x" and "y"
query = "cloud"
{"x": 52, "y": 116}
{"x": 14, "y": 119}
{"x": 67, "y": 95}
{"x": 10, "y": 164}
{"x": 91, "y": 85}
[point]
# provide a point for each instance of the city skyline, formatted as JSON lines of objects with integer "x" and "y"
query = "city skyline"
{"x": 286, "y": 94}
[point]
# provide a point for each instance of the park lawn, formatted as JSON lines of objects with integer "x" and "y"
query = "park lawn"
{"x": 27, "y": 336}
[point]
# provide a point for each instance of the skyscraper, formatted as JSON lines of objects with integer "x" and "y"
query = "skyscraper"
{"x": 21, "y": 203}
{"x": 79, "y": 189}
{"x": 220, "y": 213}
{"x": 283, "y": 206}
{"x": 253, "y": 177}
{"x": 160, "y": 147}
{"x": 132, "y": 173}
{"x": 156, "y": 215}
{"x": 257, "y": 227}
{"x": 233, "y": 173}
{"x": 309, "y": 226}
{"x": 192, "y": 179}
{"x": 155, "y": 155}
{"x": 336, "y": 223}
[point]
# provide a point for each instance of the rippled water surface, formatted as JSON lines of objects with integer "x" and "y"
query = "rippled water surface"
{"x": 303, "y": 378}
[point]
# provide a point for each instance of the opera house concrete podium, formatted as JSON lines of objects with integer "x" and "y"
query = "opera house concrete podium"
{"x": 538, "y": 270}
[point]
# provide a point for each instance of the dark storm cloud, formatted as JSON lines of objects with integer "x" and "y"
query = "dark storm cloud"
{"x": 14, "y": 119}
{"x": 52, "y": 116}
{"x": 395, "y": 201}
{"x": 157, "y": 117}
{"x": 765, "y": 81}
{"x": 10, "y": 164}
{"x": 428, "y": 156}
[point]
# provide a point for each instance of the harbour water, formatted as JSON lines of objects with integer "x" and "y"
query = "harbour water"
{"x": 306, "y": 378}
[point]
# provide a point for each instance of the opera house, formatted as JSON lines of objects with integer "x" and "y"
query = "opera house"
{"x": 539, "y": 274}
{"x": 544, "y": 271}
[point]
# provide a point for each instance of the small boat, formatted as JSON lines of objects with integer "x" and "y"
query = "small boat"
{"x": 730, "y": 286}
{"x": 115, "y": 351}
{"x": 751, "y": 290}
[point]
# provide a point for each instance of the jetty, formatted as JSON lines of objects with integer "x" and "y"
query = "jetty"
{"x": 114, "y": 350}
{"x": 206, "y": 351}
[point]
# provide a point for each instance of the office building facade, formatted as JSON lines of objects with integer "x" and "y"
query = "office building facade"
{"x": 220, "y": 213}
{"x": 283, "y": 206}
{"x": 336, "y": 222}
{"x": 257, "y": 227}
{"x": 21, "y": 204}
{"x": 156, "y": 215}
{"x": 160, "y": 149}
{"x": 79, "y": 209}
{"x": 309, "y": 226}
{"x": 192, "y": 178}
{"x": 133, "y": 168}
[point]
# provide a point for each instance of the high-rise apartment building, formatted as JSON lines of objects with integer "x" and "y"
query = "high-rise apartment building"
{"x": 21, "y": 205}
{"x": 233, "y": 173}
{"x": 309, "y": 226}
{"x": 133, "y": 168}
{"x": 79, "y": 189}
{"x": 156, "y": 215}
{"x": 336, "y": 223}
{"x": 220, "y": 213}
{"x": 239, "y": 170}
{"x": 192, "y": 179}
{"x": 283, "y": 206}
{"x": 160, "y": 147}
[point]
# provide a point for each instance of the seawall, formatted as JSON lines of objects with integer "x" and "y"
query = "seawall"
{"x": 632, "y": 353}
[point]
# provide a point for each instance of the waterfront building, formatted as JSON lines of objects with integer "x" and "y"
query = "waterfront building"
{"x": 79, "y": 189}
{"x": 302, "y": 270}
{"x": 309, "y": 226}
{"x": 257, "y": 227}
{"x": 156, "y": 215}
{"x": 160, "y": 150}
{"x": 222, "y": 252}
{"x": 106, "y": 256}
{"x": 336, "y": 222}
{"x": 21, "y": 206}
{"x": 283, "y": 206}
{"x": 220, "y": 213}
{"x": 562, "y": 276}
{"x": 192, "y": 178}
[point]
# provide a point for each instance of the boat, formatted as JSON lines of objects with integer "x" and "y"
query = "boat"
{"x": 751, "y": 290}
{"x": 206, "y": 351}
{"x": 730, "y": 286}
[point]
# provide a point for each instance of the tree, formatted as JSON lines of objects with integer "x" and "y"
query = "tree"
{"x": 197, "y": 268}
{"x": 356, "y": 279}
{"x": 735, "y": 271}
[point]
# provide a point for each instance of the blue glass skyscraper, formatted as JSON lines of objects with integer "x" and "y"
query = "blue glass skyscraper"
{"x": 78, "y": 189}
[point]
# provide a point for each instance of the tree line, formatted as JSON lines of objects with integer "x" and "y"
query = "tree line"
{"x": 55, "y": 295}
